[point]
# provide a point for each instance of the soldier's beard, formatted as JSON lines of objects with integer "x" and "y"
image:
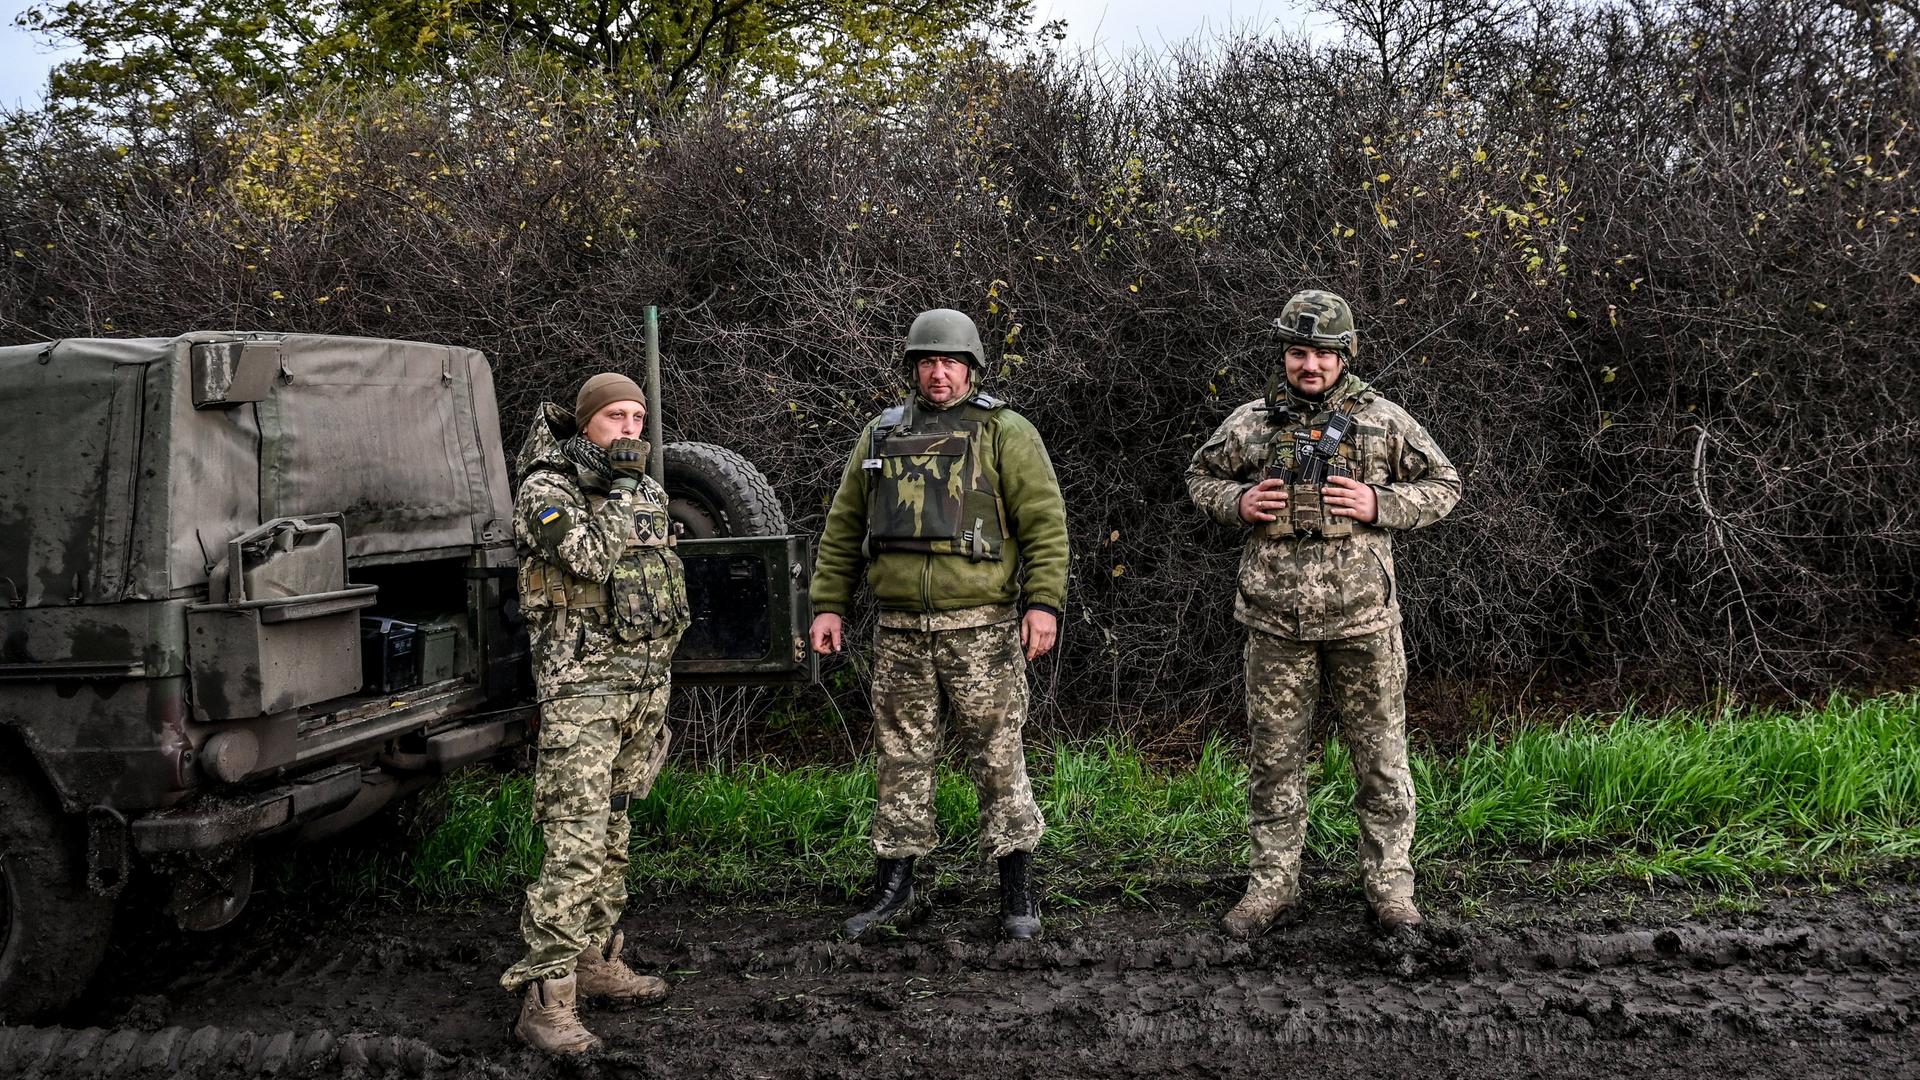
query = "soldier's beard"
{"x": 1316, "y": 396}
{"x": 1319, "y": 395}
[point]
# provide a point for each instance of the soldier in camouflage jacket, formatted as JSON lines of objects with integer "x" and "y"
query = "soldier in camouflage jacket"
{"x": 605, "y": 601}
{"x": 1321, "y": 476}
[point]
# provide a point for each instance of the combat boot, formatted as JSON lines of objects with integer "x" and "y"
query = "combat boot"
{"x": 606, "y": 975}
{"x": 550, "y": 1019}
{"x": 1398, "y": 913}
{"x": 1258, "y": 910}
{"x": 893, "y": 893}
{"x": 1019, "y": 914}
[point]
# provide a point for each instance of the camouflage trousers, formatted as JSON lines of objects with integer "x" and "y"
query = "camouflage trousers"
{"x": 594, "y": 750}
{"x": 1366, "y": 677}
{"x": 981, "y": 674}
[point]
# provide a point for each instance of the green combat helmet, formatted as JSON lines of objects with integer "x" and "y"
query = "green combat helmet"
{"x": 946, "y": 332}
{"x": 1319, "y": 319}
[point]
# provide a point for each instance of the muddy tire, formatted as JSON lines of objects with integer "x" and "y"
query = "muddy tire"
{"x": 53, "y": 929}
{"x": 712, "y": 492}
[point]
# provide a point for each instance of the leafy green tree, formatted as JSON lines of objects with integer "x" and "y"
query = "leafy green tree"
{"x": 151, "y": 56}
{"x": 148, "y": 58}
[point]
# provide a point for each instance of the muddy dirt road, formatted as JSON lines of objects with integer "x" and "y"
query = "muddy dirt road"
{"x": 1600, "y": 985}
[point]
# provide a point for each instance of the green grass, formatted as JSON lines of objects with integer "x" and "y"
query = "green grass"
{"x": 1684, "y": 798}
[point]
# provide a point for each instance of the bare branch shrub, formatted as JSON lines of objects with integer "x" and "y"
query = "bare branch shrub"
{"x": 1647, "y": 271}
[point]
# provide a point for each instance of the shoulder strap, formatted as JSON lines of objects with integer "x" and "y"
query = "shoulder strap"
{"x": 988, "y": 402}
{"x": 890, "y": 420}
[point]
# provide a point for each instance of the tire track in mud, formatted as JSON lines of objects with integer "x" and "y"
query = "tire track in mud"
{"x": 1520, "y": 993}
{"x": 209, "y": 1051}
{"x": 1880, "y": 947}
{"x": 1797, "y": 990}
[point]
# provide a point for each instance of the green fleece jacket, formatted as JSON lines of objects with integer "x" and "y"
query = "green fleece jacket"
{"x": 1033, "y": 567}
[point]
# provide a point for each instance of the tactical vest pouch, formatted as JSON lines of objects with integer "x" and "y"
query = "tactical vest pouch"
{"x": 1307, "y": 515}
{"x": 649, "y": 591}
{"x": 1307, "y": 507}
{"x": 1305, "y": 460}
{"x": 544, "y": 586}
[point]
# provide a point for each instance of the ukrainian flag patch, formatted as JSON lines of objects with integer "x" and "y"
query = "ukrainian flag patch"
{"x": 547, "y": 515}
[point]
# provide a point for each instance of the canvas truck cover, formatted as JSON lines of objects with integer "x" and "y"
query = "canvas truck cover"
{"x": 117, "y": 487}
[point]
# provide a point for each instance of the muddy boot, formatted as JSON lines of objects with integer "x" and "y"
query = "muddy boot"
{"x": 1397, "y": 913}
{"x": 893, "y": 894}
{"x": 1258, "y": 910}
{"x": 606, "y": 975}
{"x": 549, "y": 1020}
{"x": 1019, "y": 914}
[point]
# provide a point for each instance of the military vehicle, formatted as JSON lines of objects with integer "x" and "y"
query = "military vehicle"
{"x": 257, "y": 586}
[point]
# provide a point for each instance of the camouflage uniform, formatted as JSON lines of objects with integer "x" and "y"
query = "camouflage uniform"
{"x": 1324, "y": 607}
{"x": 962, "y": 516}
{"x": 605, "y": 601}
{"x": 981, "y": 672}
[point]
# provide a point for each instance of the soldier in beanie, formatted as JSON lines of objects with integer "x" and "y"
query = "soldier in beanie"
{"x": 605, "y": 600}
{"x": 950, "y": 506}
{"x": 1320, "y": 474}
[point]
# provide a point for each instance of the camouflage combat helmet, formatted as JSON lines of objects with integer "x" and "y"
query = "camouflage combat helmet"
{"x": 1319, "y": 319}
{"x": 946, "y": 332}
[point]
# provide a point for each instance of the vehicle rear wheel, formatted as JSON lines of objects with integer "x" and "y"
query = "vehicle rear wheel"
{"x": 53, "y": 929}
{"x": 713, "y": 492}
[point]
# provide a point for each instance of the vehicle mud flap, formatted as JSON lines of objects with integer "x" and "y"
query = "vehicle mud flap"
{"x": 109, "y": 851}
{"x": 209, "y": 894}
{"x": 53, "y": 928}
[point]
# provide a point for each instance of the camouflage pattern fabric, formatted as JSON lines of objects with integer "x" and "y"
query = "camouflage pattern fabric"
{"x": 591, "y": 749}
{"x": 932, "y": 490}
{"x": 1367, "y": 677}
{"x": 604, "y": 596}
{"x": 1326, "y": 607}
{"x": 605, "y": 600}
{"x": 1306, "y": 586}
{"x": 1017, "y": 501}
{"x": 648, "y": 589}
{"x": 961, "y": 619}
{"x": 981, "y": 673}
{"x": 1318, "y": 319}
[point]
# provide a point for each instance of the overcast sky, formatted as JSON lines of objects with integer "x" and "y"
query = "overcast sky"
{"x": 1112, "y": 26}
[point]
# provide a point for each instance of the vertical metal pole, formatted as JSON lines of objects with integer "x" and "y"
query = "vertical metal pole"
{"x": 657, "y": 464}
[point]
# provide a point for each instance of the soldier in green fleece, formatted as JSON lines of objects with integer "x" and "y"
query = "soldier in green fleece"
{"x": 950, "y": 503}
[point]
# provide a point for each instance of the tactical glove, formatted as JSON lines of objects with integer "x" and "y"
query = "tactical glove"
{"x": 629, "y": 460}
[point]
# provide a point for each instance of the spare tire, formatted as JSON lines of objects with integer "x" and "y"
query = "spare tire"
{"x": 712, "y": 491}
{"x": 53, "y": 928}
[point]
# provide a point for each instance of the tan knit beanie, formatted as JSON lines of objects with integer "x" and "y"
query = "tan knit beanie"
{"x": 601, "y": 391}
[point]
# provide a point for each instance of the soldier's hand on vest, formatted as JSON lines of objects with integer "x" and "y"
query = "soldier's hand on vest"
{"x": 1263, "y": 501}
{"x": 1038, "y": 631}
{"x": 825, "y": 632}
{"x": 629, "y": 458}
{"x": 1349, "y": 498}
